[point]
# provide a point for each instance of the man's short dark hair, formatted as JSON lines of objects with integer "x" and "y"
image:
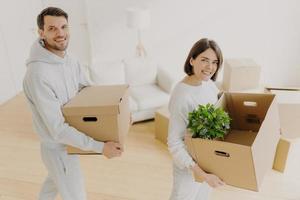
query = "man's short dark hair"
{"x": 51, "y": 11}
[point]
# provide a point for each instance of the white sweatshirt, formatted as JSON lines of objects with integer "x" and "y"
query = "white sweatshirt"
{"x": 49, "y": 83}
{"x": 184, "y": 99}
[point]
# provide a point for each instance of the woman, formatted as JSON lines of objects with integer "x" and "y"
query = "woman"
{"x": 197, "y": 87}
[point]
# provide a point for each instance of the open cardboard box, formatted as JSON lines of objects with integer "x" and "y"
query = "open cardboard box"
{"x": 101, "y": 112}
{"x": 248, "y": 150}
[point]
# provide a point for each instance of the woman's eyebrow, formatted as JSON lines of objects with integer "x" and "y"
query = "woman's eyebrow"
{"x": 208, "y": 58}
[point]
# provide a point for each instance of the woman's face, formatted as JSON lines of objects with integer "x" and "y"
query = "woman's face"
{"x": 205, "y": 65}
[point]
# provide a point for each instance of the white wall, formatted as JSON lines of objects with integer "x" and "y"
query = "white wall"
{"x": 17, "y": 22}
{"x": 7, "y": 88}
{"x": 283, "y": 60}
{"x": 265, "y": 30}
{"x": 18, "y": 30}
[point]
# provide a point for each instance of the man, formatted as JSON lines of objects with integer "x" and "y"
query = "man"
{"x": 51, "y": 80}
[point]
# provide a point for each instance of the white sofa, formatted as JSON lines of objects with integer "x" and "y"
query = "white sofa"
{"x": 150, "y": 85}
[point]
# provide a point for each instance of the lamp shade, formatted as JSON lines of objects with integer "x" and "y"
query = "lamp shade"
{"x": 138, "y": 18}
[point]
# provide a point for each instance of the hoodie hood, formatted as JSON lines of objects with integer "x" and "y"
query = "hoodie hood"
{"x": 39, "y": 54}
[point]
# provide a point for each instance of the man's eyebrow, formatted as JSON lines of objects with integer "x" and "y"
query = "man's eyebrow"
{"x": 53, "y": 26}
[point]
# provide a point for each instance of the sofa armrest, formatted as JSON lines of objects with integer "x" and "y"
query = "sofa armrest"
{"x": 165, "y": 80}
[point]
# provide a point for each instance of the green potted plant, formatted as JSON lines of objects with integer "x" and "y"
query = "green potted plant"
{"x": 208, "y": 122}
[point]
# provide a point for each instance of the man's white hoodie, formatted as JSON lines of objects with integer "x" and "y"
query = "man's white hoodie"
{"x": 49, "y": 83}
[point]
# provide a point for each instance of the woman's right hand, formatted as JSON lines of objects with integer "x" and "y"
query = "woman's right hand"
{"x": 211, "y": 179}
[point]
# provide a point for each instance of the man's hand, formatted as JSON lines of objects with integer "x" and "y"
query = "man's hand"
{"x": 112, "y": 149}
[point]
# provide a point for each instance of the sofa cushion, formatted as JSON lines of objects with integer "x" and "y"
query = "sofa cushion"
{"x": 165, "y": 81}
{"x": 149, "y": 96}
{"x": 143, "y": 115}
{"x": 132, "y": 104}
{"x": 140, "y": 71}
{"x": 108, "y": 72}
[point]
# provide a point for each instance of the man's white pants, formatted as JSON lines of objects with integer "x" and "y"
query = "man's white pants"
{"x": 64, "y": 174}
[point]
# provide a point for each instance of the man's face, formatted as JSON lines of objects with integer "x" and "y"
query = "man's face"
{"x": 56, "y": 33}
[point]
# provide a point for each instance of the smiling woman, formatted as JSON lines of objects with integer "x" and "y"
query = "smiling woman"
{"x": 197, "y": 88}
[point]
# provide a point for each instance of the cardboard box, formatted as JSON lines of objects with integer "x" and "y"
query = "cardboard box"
{"x": 101, "y": 112}
{"x": 248, "y": 151}
{"x": 241, "y": 74}
{"x": 162, "y": 124}
{"x": 288, "y": 150}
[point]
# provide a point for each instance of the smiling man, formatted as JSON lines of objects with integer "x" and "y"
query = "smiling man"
{"x": 53, "y": 77}
{"x": 54, "y": 32}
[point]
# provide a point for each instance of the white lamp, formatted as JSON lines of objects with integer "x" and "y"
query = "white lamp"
{"x": 139, "y": 19}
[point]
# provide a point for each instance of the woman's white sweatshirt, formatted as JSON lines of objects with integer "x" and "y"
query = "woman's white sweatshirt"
{"x": 184, "y": 99}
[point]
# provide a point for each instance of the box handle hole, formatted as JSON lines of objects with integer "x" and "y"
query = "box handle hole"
{"x": 222, "y": 153}
{"x": 250, "y": 103}
{"x": 89, "y": 119}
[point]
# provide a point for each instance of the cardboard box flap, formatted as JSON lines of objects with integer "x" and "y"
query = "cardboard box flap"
{"x": 266, "y": 141}
{"x": 281, "y": 157}
{"x": 91, "y": 101}
{"x": 246, "y": 110}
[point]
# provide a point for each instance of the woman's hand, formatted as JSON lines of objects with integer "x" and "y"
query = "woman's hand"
{"x": 211, "y": 179}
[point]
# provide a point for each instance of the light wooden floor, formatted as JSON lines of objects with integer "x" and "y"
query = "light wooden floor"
{"x": 144, "y": 172}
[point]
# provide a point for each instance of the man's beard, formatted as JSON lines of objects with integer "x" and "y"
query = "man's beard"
{"x": 54, "y": 46}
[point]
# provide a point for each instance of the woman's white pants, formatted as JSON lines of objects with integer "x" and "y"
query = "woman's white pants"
{"x": 185, "y": 188}
{"x": 64, "y": 174}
